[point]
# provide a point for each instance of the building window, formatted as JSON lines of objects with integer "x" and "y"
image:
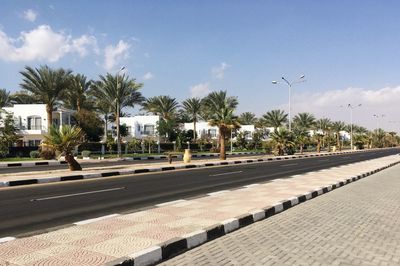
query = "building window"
{"x": 129, "y": 130}
{"x": 148, "y": 130}
{"x": 213, "y": 133}
{"x": 34, "y": 123}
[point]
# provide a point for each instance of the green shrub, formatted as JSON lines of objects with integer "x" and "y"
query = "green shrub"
{"x": 34, "y": 154}
{"x": 47, "y": 154}
{"x": 86, "y": 153}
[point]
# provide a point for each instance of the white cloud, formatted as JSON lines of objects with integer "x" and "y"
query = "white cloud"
{"x": 199, "y": 90}
{"x": 148, "y": 76}
{"x": 30, "y": 15}
{"x": 328, "y": 104}
{"x": 113, "y": 55}
{"x": 42, "y": 43}
{"x": 219, "y": 71}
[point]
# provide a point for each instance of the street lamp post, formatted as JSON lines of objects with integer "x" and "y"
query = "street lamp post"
{"x": 351, "y": 107}
{"x": 118, "y": 113}
{"x": 377, "y": 121}
{"x": 290, "y": 84}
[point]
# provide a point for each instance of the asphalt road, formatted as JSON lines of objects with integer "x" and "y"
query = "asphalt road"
{"x": 28, "y": 210}
{"x": 18, "y": 169}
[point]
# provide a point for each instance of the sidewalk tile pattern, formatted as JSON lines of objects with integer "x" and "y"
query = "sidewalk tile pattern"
{"x": 111, "y": 239}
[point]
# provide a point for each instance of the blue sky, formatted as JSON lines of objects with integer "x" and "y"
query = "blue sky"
{"x": 348, "y": 50}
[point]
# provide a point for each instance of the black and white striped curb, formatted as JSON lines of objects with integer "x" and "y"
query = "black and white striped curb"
{"x": 176, "y": 246}
{"x": 159, "y": 169}
{"x": 32, "y": 164}
{"x": 158, "y": 157}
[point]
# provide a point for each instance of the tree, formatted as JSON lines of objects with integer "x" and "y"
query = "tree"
{"x": 283, "y": 141}
{"x": 5, "y": 98}
{"x": 77, "y": 96}
{"x": 114, "y": 98}
{"x": 163, "y": 106}
{"x": 47, "y": 85}
{"x": 304, "y": 121}
{"x": 220, "y": 108}
{"x": 275, "y": 118}
{"x": 192, "y": 107}
{"x": 323, "y": 124}
{"x": 247, "y": 118}
{"x": 337, "y": 127}
{"x": 8, "y": 133}
{"x": 301, "y": 136}
{"x": 24, "y": 97}
{"x": 90, "y": 123}
{"x": 65, "y": 140}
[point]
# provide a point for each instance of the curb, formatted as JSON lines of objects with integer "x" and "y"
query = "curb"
{"x": 158, "y": 157}
{"x": 176, "y": 246}
{"x": 148, "y": 170}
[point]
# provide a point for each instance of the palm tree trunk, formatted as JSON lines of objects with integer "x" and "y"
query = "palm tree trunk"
{"x": 105, "y": 127}
{"x": 301, "y": 148}
{"x": 49, "y": 111}
{"x": 118, "y": 136}
{"x": 72, "y": 163}
{"x": 194, "y": 130}
{"x": 222, "y": 154}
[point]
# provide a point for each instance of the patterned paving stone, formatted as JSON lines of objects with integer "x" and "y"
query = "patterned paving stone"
{"x": 358, "y": 224}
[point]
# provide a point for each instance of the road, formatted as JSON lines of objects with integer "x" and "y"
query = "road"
{"x": 27, "y": 209}
{"x": 357, "y": 224}
{"x": 100, "y": 163}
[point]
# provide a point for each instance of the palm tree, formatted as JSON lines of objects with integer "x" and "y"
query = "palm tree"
{"x": 323, "y": 124}
{"x": 275, "y": 118}
{"x": 77, "y": 95}
{"x": 337, "y": 127}
{"x": 247, "y": 118}
{"x": 220, "y": 108}
{"x": 47, "y": 85}
{"x": 304, "y": 120}
{"x": 165, "y": 107}
{"x": 65, "y": 140}
{"x": 192, "y": 108}
{"x": 24, "y": 97}
{"x": 301, "y": 136}
{"x": 115, "y": 96}
{"x": 5, "y": 98}
{"x": 283, "y": 141}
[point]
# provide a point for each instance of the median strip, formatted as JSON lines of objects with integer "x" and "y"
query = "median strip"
{"x": 155, "y": 169}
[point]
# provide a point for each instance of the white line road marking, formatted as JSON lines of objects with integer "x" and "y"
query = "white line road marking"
{"x": 6, "y": 239}
{"x": 78, "y": 194}
{"x": 96, "y": 219}
{"x": 323, "y": 160}
{"x": 227, "y": 173}
{"x": 170, "y": 202}
{"x": 218, "y": 193}
{"x": 290, "y": 164}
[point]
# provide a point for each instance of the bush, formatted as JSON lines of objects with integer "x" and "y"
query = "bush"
{"x": 86, "y": 153}
{"x": 34, "y": 154}
{"x": 47, "y": 154}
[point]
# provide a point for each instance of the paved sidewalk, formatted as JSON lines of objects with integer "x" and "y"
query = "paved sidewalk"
{"x": 355, "y": 225}
{"x": 148, "y": 236}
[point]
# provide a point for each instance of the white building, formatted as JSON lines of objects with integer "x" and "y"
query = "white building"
{"x": 31, "y": 120}
{"x": 140, "y": 126}
{"x": 204, "y": 130}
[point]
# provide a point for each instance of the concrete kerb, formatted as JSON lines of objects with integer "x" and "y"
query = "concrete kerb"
{"x": 177, "y": 246}
{"x": 160, "y": 169}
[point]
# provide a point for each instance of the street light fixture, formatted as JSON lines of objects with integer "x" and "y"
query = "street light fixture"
{"x": 377, "y": 121}
{"x": 118, "y": 113}
{"x": 351, "y": 107}
{"x": 290, "y": 84}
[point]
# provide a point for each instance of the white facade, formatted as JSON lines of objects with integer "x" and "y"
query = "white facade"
{"x": 204, "y": 130}
{"x": 31, "y": 120}
{"x": 140, "y": 126}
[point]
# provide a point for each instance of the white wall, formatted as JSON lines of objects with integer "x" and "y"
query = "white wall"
{"x": 137, "y": 125}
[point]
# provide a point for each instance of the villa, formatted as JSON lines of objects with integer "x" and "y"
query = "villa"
{"x": 31, "y": 121}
